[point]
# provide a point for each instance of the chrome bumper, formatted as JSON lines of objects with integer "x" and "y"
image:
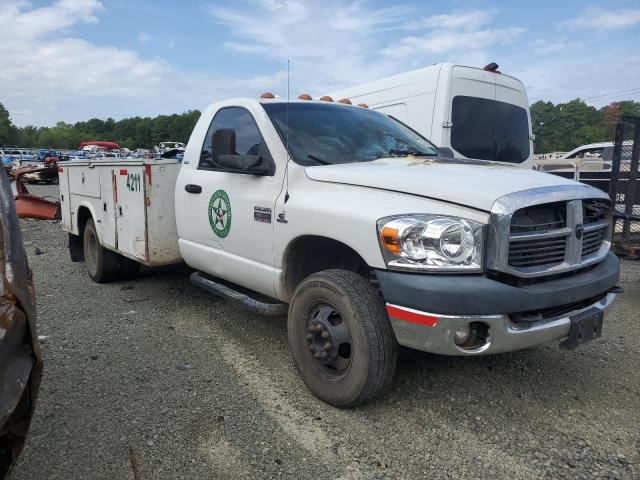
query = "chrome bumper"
{"x": 436, "y": 334}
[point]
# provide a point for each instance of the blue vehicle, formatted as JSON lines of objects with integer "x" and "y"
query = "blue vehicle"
{"x": 46, "y": 153}
{"x": 7, "y": 162}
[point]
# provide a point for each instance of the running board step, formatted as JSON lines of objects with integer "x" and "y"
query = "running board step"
{"x": 251, "y": 304}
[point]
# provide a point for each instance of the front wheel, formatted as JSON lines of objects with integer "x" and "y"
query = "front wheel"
{"x": 340, "y": 338}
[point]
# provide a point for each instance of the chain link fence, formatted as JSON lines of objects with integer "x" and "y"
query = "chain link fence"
{"x": 624, "y": 189}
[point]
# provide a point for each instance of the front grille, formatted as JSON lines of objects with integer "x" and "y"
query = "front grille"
{"x": 537, "y": 252}
{"x": 532, "y": 242}
{"x": 592, "y": 241}
{"x": 539, "y": 218}
{"x": 547, "y": 235}
{"x": 594, "y": 219}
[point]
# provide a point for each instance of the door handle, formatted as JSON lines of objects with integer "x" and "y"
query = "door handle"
{"x": 191, "y": 188}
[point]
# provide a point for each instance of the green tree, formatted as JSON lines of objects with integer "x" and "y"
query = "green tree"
{"x": 8, "y": 132}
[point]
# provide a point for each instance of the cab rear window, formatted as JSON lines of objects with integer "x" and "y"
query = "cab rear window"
{"x": 489, "y": 130}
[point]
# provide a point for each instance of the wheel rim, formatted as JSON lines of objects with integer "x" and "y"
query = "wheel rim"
{"x": 328, "y": 340}
{"x": 91, "y": 252}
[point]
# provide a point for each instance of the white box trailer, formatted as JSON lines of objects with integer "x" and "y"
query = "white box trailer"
{"x": 131, "y": 203}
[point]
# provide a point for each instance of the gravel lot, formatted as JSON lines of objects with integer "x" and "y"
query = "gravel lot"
{"x": 154, "y": 378}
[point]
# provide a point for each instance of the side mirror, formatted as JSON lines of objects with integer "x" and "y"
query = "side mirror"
{"x": 244, "y": 163}
{"x": 224, "y": 143}
{"x": 224, "y": 155}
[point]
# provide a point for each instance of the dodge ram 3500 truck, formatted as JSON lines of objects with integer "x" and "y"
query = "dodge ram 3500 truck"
{"x": 356, "y": 227}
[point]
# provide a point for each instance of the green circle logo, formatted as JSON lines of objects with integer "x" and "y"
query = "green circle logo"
{"x": 220, "y": 213}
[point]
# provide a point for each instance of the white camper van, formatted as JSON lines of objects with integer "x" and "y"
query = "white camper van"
{"x": 477, "y": 113}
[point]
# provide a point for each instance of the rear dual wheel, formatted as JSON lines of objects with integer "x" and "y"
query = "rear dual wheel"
{"x": 340, "y": 338}
{"x": 102, "y": 264}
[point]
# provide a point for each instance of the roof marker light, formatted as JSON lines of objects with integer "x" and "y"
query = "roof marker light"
{"x": 304, "y": 96}
{"x": 267, "y": 95}
{"x": 326, "y": 98}
{"x": 363, "y": 105}
{"x": 346, "y": 101}
{"x": 492, "y": 67}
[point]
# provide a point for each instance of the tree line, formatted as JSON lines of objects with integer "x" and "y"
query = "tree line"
{"x": 557, "y": 127}
{"x": 135, "y": 132}
{"x": 565, "y": 126}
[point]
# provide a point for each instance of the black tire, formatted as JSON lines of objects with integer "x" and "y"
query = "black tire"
{"x": 129, "y": 269}
{"x": 102, "y": 264}
{"x": 343, "y": 377}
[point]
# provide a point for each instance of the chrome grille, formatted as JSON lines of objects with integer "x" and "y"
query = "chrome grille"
{"x": 535, "y": 252}
{"x": 594, "y": 218}
{"x": 560, "y": 233}
{"x": 530, "y": 236}
{"x": 592, "y": 241}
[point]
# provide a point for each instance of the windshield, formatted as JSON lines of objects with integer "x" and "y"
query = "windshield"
{"x": 489, "y": 129}
{"x": 326, "y": 134}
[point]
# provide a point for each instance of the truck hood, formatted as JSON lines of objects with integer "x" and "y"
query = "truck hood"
{"x": 471, "y": 183}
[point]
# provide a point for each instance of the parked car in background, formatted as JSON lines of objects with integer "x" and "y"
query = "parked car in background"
{"x": 590, "y": 164}
{"x": 7, "y": 161}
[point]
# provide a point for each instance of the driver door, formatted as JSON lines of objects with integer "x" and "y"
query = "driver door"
{"x": 229, "y": 215}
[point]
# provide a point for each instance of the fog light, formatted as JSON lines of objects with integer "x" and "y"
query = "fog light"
{"x": 462, "y": 334}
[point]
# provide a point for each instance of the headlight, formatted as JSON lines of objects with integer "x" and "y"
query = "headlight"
{"x": 431, "y": 242}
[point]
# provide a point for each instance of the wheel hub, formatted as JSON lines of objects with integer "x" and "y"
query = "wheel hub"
{"x": 328, "y": 338}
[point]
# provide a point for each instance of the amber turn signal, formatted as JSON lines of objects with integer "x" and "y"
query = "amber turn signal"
{"x": 390, "y": 239}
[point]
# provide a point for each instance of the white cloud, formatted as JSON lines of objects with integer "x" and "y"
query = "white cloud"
{"x": 562, "y": 78}
{"x": 329, "y": 44}
{"x": 556, "y": 45}
{"x": 144, "y": 37}
{"x": 332, "y": 44}
{"x": 31, "y": 23}
{"x": 599, "y": 19}
{"x": 444, "y": 42}
{"x": 465, "y": 20}
{"x": 50, "y": 76}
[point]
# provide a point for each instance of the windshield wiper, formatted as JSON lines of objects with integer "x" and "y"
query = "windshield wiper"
{"x": 396, "y": 152}
{"x": 319, "y": 160}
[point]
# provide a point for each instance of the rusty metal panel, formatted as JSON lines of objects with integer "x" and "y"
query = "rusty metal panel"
{"x": 20, "y": 358}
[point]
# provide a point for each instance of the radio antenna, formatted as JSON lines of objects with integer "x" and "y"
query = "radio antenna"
{"x": 288, "y": 99}
{"x": 286, "y": 140}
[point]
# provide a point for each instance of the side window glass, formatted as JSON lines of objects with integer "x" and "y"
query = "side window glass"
{"x": 248, "y": 140}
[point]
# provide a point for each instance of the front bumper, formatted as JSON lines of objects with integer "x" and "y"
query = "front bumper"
{"x": 426, "y": 310}
{"x": 437, "y": 335}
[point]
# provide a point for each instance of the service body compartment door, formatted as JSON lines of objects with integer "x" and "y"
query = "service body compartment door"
{"x": 84, "y": 181}
{"x": 130, "y": 211}
{"x": 108, "y": 177}
{"x": 65, "y": 197}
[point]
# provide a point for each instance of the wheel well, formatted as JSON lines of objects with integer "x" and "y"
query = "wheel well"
{"x": 84, "y": 214}
{"x": 310, "y": 254}
{"x": 76, "y": 249}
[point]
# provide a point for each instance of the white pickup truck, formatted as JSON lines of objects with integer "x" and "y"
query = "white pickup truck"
{"x": 356, "y": 227}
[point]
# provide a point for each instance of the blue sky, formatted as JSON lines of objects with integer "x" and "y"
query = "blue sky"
{"x": 77, "y": 59}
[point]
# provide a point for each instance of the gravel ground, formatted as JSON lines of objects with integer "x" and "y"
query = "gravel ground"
{"x": 154, "y": 378}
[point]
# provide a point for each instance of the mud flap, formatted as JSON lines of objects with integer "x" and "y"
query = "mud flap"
{"x": 76, "y": 250}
